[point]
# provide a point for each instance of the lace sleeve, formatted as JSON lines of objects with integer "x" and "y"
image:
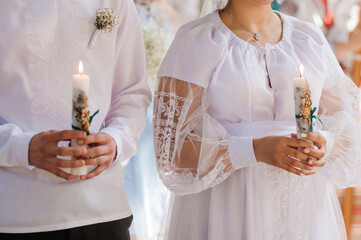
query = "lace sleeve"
{"x": 191, "y": 147}
{"x": 340, "y": 113}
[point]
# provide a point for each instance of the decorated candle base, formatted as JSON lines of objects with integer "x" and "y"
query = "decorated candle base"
{"x": 305, "y": 114}
{"x": 80, "y": 122}
{"x": 81, "y": 118}
{"x": 303, "y": 106}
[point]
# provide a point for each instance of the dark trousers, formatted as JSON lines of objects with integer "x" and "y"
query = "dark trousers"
{"x": 115, "y": 230}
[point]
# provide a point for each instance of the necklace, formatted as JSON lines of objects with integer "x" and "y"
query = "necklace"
{"x": 256, "y": 35}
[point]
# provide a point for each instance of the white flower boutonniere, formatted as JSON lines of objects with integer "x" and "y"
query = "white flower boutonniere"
{"x": 105, "y": 19}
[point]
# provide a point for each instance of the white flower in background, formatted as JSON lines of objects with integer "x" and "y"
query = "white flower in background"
{"x": 156, "y": 45}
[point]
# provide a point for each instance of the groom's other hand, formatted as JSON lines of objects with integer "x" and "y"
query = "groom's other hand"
{"x": 102, "y": 152}
{"x": 44, "y": 152}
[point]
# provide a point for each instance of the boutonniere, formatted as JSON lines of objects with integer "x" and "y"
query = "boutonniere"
{"x": 105, "y": 20}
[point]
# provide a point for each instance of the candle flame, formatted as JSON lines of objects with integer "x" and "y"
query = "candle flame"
{"x": 81, "y": 68}
{"x": 302, "y": 68}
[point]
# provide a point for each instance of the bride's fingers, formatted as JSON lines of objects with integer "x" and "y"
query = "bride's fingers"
{"x": 317, "y": 162}
{"x": 299, "y": 143}
{"x": 317, "y": 139}
{"x": 316, "y": 153}
{"x": 295, "y": 163}
{"x": 293, "y": 170}
{"x": 290, "y": 169}
{"x": 294, "y": 153}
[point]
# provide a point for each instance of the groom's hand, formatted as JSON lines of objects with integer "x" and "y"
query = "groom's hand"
{"x": 44, "y": 152}
{"x": 102, "y": 152}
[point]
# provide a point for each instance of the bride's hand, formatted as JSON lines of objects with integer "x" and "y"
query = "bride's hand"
{"x": 280, "y": 151}
{"x": 315, "y": 154}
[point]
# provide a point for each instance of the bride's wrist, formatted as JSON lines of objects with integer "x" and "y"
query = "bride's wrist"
{"x": 256, "y": 144}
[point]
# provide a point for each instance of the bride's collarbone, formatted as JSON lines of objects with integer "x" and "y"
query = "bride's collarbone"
{"x": 271, "y": 34}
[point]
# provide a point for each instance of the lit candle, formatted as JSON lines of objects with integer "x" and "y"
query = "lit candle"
{"x": 303, "y": 103}
{"x": 80, "y": 119}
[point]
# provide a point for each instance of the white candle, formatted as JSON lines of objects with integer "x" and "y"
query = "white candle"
{"x": 80, "y": 116}
{"x": 80, "y": 81}
{"x": 303, "y": 103}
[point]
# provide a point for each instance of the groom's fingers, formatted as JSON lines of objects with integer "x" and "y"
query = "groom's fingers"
{"x": 98, "y": 160}
{"x": 60, "y": 173}
{"x": 98, "y": 151}
{"x": 65, "y": 163}
{"x": 95, "y": 172}
{"x": 95, "y": 138}
{"x": 67, "y": 135}
{"x": 70, "y": 151}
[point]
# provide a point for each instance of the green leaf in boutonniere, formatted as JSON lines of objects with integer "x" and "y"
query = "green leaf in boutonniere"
{"x": 105, "y": 19}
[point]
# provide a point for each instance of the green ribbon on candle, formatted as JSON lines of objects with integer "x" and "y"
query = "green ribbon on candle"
{"x": 90, "y": 121}
{"x": 92, "y": 116}
{"x": 311, "y": 117}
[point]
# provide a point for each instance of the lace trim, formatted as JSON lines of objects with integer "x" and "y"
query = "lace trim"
{"x": 170, "y": 113}
{"x": 168, "y": 109}
{"x": 342, "y": 115}
{"x": 286, "y": 203}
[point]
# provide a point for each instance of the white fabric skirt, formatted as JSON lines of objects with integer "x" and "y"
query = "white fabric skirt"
{"x": 260, "y": 202}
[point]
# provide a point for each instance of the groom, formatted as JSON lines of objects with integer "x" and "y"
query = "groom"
{"x": 41, "y": 43}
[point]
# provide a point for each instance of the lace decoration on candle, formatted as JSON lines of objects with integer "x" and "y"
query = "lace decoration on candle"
{"x": 82, "y": 114}
{"x": 306, "y": 111}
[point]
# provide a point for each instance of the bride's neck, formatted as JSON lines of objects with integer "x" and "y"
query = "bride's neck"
{"x": 252, "y": 14}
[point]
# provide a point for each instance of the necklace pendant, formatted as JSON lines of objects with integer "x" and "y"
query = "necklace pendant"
{"x": 256, "y": 37}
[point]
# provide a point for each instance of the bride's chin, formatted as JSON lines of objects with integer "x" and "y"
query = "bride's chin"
{"x": 263, "y": 2}
{"x": 260, "y": 2}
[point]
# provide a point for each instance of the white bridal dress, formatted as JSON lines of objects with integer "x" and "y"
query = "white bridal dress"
{"x": 216, "y": 92}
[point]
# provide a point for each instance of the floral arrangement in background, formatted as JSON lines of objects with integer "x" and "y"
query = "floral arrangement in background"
{"x": 156, "y": 46}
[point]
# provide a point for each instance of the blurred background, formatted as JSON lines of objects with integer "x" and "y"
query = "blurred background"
{"x": 339, "y": 21}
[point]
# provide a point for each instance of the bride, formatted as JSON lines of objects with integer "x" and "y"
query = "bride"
{"x": 224, "y": 124}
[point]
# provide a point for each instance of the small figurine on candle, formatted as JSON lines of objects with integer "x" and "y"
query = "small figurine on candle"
{"x": 303, "y": 105}
{"x": 81, "y": 119}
